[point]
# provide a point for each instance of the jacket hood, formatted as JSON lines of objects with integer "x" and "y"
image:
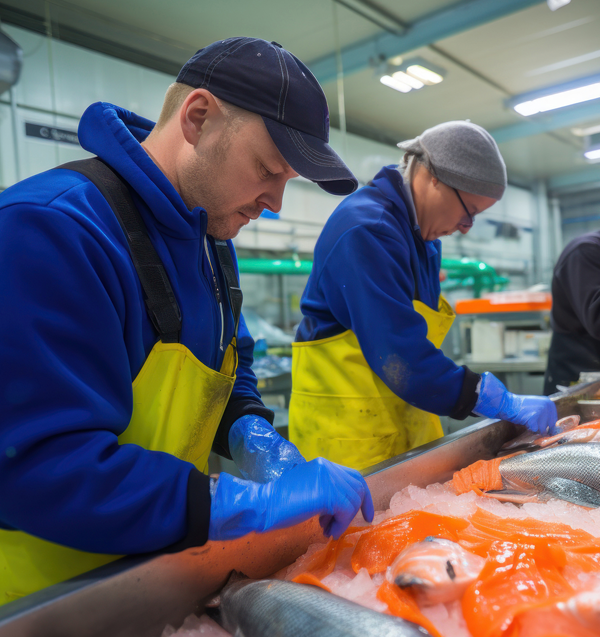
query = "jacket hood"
{"x": 391, "y": 183}
{"x": 115, "y": 135}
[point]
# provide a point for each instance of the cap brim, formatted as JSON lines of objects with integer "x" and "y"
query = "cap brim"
{"x": 312, "y": 158}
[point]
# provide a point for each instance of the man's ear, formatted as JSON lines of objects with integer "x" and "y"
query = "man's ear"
{"x": 198, "y": 107}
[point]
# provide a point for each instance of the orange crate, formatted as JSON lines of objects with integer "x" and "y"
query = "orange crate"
{"x": 506, "y": 302}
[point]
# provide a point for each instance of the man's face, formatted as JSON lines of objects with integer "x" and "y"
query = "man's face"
{"x": 440, "y": 210}
{"x": 234, "y": 173}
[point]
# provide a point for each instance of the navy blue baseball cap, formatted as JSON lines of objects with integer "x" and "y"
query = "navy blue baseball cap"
{"x": 264, "y": 78}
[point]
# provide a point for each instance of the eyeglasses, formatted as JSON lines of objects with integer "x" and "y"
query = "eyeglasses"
{"x": 469, "y": 215}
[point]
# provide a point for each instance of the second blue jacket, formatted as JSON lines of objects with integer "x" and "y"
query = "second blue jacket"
{"x": 370, "y": 263}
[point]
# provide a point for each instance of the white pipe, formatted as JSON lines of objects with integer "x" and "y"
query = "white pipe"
{"x": 15, "y": 131}
{"x": 340, "y": 79}
{"x": 557, "y": 228}
{"x": 544, "y": 264}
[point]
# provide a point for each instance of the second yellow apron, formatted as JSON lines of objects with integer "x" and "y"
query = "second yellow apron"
{"x": 341, "y": 410}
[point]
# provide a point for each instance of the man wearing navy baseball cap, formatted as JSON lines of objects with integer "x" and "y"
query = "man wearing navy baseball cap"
{"x": 127, "y": 356}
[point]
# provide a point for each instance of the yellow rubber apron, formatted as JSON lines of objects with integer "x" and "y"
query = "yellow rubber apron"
{"x": 178, "y": 403}
{"x": 341, "y": 410}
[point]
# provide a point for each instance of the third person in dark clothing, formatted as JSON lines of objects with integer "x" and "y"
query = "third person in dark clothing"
{"x": 575, "y": 317}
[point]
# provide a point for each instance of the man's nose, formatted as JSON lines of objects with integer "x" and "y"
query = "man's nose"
{"x": 272, "y": 198}
{"x": 464, "y": 229}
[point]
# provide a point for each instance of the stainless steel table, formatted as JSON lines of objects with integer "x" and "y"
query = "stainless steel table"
{"x": 137, "y": 597}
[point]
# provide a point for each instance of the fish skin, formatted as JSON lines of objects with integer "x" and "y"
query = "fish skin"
{"x": 547, "y": 473}
{"x": 278, "y": 608}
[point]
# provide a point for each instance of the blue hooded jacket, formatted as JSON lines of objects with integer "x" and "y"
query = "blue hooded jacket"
{"x": 370, "y": 263}
{"x": 75, "y": 334}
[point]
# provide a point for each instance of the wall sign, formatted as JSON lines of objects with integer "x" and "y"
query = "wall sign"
{"x": 51, "y": 133}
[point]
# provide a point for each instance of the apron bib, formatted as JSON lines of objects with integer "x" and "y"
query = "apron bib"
{"x": 341, "y": 410}
{"x": 178, "y": 401}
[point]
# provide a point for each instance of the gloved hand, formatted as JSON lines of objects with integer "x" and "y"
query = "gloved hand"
{"x": 259, "y": 452}
{"x": 318, "y": 487}
{"x": 537, "y": 413}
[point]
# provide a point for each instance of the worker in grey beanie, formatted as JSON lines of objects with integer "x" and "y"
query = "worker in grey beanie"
{"x": 462, "y": 155}
{"x": 369, "y": 380}
{"x": 458, "y": 156}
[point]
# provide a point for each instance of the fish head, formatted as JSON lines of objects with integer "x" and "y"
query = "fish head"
{"x": 436, "y": 570}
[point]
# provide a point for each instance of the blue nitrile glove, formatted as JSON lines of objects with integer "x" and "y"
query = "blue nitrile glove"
{"x": 537, "y": 413}
{"x": 259, "y": 452}
{"x": 318, "y": 487}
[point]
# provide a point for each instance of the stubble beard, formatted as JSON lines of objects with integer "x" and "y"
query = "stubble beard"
{"x": 201, "y": 183}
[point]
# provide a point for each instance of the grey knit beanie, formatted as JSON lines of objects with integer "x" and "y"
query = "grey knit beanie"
{"x": 461, "y": 155}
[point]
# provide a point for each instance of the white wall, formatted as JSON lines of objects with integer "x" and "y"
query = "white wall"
{"x": 517, "y": 208}
{"x": 60, "y": 80}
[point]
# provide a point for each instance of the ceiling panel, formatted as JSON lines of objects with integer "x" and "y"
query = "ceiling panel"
{"x": 305, "y": 28}
{"x": 408, "y": 11}
{"x": 485, "y": 65}
{"x": 540, "y": 157}
{"x": 534, "y": 48}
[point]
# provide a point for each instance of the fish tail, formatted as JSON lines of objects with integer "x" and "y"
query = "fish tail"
{"x": 483, "y": 474}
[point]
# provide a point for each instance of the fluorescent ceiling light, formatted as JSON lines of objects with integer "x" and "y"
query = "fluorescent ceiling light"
{"x": 397, "y": 85}
{"x": 592, "y": 154}
{"x": 424, "y": 74}
{"x": 401, "y": 76}
{"x": 583, "y": 132}
{"x": 557, "y": 4}
{"x": 559, "y": 100}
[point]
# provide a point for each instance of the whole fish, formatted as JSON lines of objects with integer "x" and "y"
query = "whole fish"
{"x": 579, "y": 434}
{"x": 567, "y": 472}
{"x": 530, "y": 440}
{"x": 277, "y": 608}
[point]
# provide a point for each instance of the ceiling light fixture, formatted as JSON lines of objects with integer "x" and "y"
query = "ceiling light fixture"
{"x": 407, "y": 75}
{"x": 583, "y": 89}
{"x": 397, "y": 85}
{"x": 413, "y": 82}
{"x": 592, "y": 154}
{"x": 559, "y": 100}
{"x": 591, "y": 146}
{"x": 557, "y": 4}
{"x": 424, "y": 74}
{"x": 584, "y": 132}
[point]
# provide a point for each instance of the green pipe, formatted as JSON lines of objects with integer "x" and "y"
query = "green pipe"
{"x": 462, "y": 273}
{"x": 470, "y": 266}
{"x": 275, "y": 266}
{"x": 290, "y": 266}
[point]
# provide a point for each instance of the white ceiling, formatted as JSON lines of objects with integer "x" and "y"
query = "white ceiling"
{"x": 526, "y": 50}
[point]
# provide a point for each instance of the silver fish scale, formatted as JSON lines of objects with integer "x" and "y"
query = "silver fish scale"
{"x": 576, "y": 462}
{"x": 275, "y": 608}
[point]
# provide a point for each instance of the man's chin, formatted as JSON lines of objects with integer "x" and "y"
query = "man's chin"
{"x": 224, "y": 234}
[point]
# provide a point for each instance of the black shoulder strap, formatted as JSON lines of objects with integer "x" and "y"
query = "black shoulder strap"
{"x": 160, "y": 300}
{"x": 417, "y": 296}
{"x": 233, "y": 287}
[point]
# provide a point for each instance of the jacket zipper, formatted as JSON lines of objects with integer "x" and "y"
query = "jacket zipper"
{"x": 217, "y": 293}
